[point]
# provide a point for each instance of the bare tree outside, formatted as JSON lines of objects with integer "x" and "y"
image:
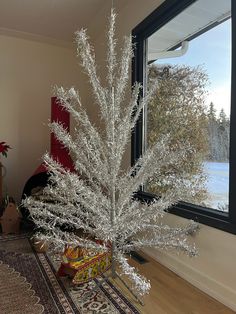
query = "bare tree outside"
{"x": 179, "y": 108}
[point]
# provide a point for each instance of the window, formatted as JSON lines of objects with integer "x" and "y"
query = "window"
{"x": 187, "y": 45}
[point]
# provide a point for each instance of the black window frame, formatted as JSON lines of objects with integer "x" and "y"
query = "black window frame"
{"x": 211, "y": 217}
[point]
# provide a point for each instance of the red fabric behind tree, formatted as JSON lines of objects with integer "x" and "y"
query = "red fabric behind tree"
{"x": 57, "y": 151}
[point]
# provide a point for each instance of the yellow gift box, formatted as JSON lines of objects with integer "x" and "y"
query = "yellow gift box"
{"x": 82, "y": 267}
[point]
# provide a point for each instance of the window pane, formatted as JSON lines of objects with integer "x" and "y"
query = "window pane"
{"x": 193, "y": 98}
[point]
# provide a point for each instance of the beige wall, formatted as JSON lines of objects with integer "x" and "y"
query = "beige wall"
{"x": 214, "y": 271}
{"x": 28, "y": 70}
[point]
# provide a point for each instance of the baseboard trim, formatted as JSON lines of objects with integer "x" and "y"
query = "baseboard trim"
{"x": 220, "y": 292}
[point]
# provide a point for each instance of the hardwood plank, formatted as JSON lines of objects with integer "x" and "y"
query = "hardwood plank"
{"x": 171, "y": 294}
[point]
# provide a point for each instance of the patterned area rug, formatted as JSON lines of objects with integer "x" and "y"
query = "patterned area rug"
{"x": 44, "y": 292}
{"x": 15, "y": 287}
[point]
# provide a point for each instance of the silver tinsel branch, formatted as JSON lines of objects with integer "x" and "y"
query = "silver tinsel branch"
{"x": 99, "y": 197}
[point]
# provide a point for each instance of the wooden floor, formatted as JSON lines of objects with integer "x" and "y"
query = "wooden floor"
{"x": 171, "y": 294}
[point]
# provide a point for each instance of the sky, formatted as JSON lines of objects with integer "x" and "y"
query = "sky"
{"x": 212, "y": 50}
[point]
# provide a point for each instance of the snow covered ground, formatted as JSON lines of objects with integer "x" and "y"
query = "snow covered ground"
{"x": 218, "y": 183}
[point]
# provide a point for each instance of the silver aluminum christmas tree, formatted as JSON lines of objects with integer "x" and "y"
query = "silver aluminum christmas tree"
{"x": 99, "y": 197}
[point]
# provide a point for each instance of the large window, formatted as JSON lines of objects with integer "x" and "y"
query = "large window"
{"x": 187, "y": 46}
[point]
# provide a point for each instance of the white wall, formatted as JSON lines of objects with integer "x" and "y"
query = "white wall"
{"x": 28, "y": 70}
{"x": 214, "y": 271}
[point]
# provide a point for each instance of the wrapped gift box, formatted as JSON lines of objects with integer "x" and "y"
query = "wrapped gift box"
{"x": 81, "y": 267}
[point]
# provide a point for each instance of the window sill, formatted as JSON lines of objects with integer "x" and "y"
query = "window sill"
{"x": 207, "y": 216}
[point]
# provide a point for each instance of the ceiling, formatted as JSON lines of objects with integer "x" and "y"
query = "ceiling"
{"x": 59, "y": 19}
{"x": 195, "y": 18}
{"x": 56, "y": 19}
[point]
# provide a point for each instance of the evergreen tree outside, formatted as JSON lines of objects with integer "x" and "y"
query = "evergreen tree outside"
{"x": 212, "y": 133}
{"x": 218, "y": 135}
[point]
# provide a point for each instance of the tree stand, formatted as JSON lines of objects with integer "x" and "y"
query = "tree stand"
{"x": 114, "y": 274}
{"x": 80, "y": 268}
